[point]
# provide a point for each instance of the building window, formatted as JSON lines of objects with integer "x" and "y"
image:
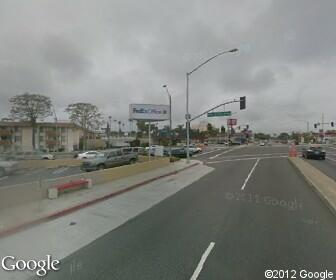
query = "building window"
{"x": 63, "y": 129}
{"x": 41, "y": 129}
{"x": 17, "y": 139}
{"x": 41, "y": 138}
{"x": 63, "y": 138}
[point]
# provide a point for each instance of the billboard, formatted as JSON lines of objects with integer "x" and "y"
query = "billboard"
{"x": 149, "y": 112}
{"x": 232, "y": 122}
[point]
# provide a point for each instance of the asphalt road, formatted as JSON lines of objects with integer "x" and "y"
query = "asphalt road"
{"x": 252, "y": 213}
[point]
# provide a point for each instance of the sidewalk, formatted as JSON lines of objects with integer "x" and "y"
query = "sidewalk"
{"x": 323, "y": 185}
{"x": 16, "y": 218}
{"x": 65, "y": 235}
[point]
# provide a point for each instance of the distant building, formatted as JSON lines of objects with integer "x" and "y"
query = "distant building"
{"x": 18, "y": 136}
{"x": 201, "y": 126}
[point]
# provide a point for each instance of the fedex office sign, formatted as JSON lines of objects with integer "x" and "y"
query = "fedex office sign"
{"x": 150, "y": 112}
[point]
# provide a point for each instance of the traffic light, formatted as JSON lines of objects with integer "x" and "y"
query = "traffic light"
{"x": 332, "y": 124}
{"x": 315, "y": 125}
{"x": 247, "y": 126}
{"x": 242, "y": 102}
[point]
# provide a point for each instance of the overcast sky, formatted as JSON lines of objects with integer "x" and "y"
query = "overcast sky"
{"x": 112, "y": 53}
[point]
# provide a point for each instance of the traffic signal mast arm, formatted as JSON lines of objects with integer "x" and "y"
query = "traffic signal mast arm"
{"x": 318, "y": 124}
{"x": 229, "y": 102}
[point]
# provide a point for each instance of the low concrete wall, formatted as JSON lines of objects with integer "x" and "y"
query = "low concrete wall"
{"x": 35, "y": 191}
{"x": 20, "y": 194}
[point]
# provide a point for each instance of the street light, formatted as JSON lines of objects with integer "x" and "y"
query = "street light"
{"x": 187, "y": 116}
{"x": 170, "y": 121}
{"x": 109, "y": 131}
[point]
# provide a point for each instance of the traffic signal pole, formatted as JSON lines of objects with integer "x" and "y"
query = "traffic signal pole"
{"x": 207, "y": 111}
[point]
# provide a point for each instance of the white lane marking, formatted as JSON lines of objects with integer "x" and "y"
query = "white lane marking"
{"x": 202, "y": 261}
{"x": 240, "y": 159}
{"x": 331, "y": 148}
{"x": 249, "y": 175}
{"x": 32, "y": 172}
{"x": 61, "y": 170}
{"x": 256, "y": 155}
{"x": 331, "y": 158}
{"x": 221, "y": 154}
{"x": 3, "y": 178}
{"x": 215, "y": 150}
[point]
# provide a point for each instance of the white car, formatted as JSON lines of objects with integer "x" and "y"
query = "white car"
{"x": 88, "y": 154}
{"x": 262, "y": 144}
{"x": 194, "y": 149}
{"x": 47, "y": 156}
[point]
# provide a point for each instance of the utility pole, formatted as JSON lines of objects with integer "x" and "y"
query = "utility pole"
{"x": 170, "y": 123}
{"x": 149, "y": 142}
{"x": 323, "y": 127}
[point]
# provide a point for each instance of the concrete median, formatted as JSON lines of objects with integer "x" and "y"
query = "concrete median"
{"x": 323, "y": 185}
{"x": 15, "y": 195}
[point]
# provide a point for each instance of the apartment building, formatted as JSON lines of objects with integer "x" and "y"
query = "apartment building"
{"x": 18, "y": 136}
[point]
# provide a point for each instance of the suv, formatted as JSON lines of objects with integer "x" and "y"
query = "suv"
{"x": 109, "y": 159}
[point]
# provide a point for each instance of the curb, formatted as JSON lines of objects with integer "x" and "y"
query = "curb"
{"x": 315, "y": 188}
{"x": 77, "y": 207}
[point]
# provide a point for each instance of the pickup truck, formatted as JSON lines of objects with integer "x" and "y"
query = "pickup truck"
{"x": 108, "y": 159}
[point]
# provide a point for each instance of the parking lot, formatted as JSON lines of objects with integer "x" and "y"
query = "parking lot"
{"x": 25, "y": 175}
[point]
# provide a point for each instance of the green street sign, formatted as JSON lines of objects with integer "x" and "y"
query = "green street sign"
{"x": 219, "y": 114}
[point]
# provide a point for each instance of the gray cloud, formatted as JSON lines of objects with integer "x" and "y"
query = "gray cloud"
{"x": 113, "y": 53}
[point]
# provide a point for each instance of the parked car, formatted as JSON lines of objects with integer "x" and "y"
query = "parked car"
{"x": 262, "y": 144}
{"x": 314, "y": 152}
{"x": 193, "y": 149}
{"x": 109, "y": 159}
{"x": 180, "y": 152}
{"x": 7, "y": 166}
{"x": 87, "y": 155}
{"x": 48, "y": 156}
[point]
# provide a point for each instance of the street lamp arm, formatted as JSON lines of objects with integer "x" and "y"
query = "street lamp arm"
{"x": 211, "y": 58}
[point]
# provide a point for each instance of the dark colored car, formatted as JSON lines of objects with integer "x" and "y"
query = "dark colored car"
{"x": 313, "y": 153}
{"x": 178, "y": 152}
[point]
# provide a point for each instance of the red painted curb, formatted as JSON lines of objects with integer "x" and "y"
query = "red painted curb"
{"x": 77, "y": 207}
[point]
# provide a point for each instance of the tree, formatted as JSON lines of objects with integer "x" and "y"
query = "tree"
{"x": 283, "y": 136}
{"x": 222, "y": 129}
{"x": 86, "y": 116}
{"x": 262, "y": 136}
{"x": 30, "y": 107}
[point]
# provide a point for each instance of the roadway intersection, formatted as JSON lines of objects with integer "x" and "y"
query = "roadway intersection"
{"x": 252, "y": 213}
